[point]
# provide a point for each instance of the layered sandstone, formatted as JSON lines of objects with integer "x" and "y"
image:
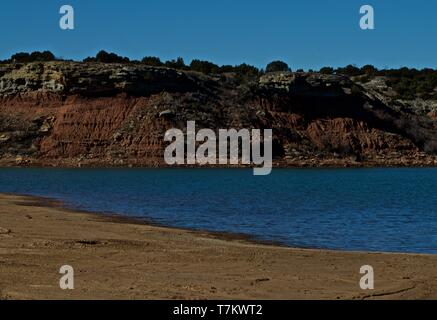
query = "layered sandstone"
{"x": 74, "y": 114}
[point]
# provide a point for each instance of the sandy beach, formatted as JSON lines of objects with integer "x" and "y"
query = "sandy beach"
{"x": 115, "y": 258}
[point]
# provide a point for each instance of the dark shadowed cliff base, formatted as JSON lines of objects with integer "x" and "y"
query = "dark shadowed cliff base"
{"x": 120, "y": 259}
{"x": 73, "y": 114}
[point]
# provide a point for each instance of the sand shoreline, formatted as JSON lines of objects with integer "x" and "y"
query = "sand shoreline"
{"x": 44, "y": 202}
{"x": 119, "y": 258}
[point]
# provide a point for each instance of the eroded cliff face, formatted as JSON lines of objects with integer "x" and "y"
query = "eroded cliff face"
{"x": 75, "y": 114}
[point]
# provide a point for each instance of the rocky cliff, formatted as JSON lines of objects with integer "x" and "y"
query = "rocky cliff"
{"x": 92, "y": 114}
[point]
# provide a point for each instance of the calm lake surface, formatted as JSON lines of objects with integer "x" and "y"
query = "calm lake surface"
{"x": 348, "y": 209}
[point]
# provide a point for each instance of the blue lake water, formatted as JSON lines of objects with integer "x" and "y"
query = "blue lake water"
{"x": 348, "y": 209}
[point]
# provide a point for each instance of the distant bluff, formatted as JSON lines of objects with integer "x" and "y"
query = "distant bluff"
{"x": 64, "y": 113}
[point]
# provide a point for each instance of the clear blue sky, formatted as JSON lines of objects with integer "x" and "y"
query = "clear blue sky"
{"x": 304, "y": 33}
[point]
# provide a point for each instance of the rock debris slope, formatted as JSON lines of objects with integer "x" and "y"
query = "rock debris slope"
{"x": 93, "y": 114}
